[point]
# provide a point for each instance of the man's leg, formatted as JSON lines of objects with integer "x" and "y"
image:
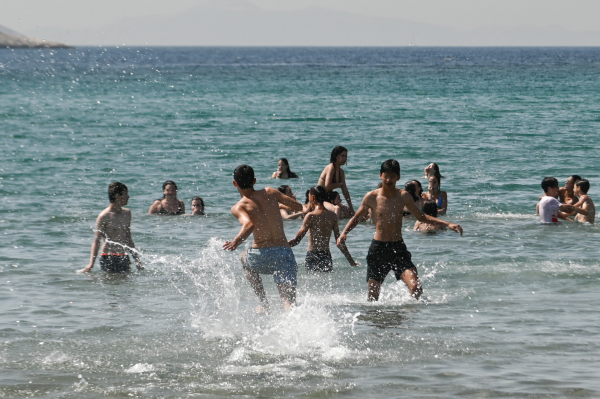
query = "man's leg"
{"x": 256, "y": 283}
{"x": 373, "y": 289}
{"x": 412, "y": 282}
{"x": 288, "y": 295}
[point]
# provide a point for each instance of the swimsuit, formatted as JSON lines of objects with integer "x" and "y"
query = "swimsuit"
{"x": 162, "y": 210}
{"x": 278, "y": 261}
{"x": 440, "y": 201}
{"x": 115, "y": 263}
{"x": 318, "y": 261}
{"x": 386, "y": 256}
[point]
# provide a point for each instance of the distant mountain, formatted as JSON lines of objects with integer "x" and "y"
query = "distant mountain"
{"x": 11, "y": 39}
{"x": 240, "y": 23}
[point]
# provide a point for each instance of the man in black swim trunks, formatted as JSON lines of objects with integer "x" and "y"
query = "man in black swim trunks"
{"x": 387, "y": 251}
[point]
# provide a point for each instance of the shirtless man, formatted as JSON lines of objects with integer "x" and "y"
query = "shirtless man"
{"x": 319, "y": 223}
{"x": 333, "y": 175}
{"x": 258, "y": 213}
{"x": 585, "y": 202}
{"x": 550, "y": 209}
{"x": 113, "y": 225}
{"x": 566, "y": 195}
{"x": 388, "y": 251}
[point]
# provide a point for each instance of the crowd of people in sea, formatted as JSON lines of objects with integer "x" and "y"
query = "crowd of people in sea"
{"x": 261, "y": 213}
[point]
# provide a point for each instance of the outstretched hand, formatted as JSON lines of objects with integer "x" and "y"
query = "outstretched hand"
{"x": 230, "y": 245}
{"x": 456, "y": 227}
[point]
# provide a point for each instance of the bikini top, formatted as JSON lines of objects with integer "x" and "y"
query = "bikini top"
{"x": 162, "y": 211}
{"x": 440, "y": 201}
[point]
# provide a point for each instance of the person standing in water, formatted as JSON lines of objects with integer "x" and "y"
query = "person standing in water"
{"x": 258, "y": 213}
{"x": 434, "y": 191}
{"x": 333, "y": 175}
{"x": 169, "y": 204}
{"x": 585, "y": 202}
{"x": 549, "y": 208}
{"x": 320, "y": 223}
{"x": 388, "y": 251}
{"x": 283, "y": 170}
{"x": 113, "y": 226}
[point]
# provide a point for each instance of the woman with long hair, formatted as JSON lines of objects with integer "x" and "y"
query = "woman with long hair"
{"x": 169, "y": 204}
{"x": 283, "y": 170}
{"x": 434, "y": 191}
{"x": 333, "y": 175}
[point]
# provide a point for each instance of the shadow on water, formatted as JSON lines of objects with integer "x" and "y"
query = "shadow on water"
{"x": 384, "y": 318}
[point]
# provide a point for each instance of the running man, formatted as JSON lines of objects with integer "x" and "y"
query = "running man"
{"x": 388, "y": 251}
{"x": 113, "y": 226}
{"x": 320, "y": 223}
{"x": 258, "y": 213}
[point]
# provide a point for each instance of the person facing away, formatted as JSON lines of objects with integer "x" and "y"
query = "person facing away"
{"x": 169, "y": 204}
{"x": 197, "y": 206}
{"x": 429, "y": 208}
{"x": 333, "y": 175}
{"x": 258, "y": 213}
{"x": 283, "y": 170}
{"x": 286, "y": 212}
{"x": 585, "y": 202}
{"x": 550, "y": 209}
{"x": 434, "y": 191}
{"x": 113, "y": 226}
{"x": 388, "y": 251}
{"x": 320, "y": 223}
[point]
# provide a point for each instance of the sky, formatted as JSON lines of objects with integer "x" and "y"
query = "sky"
{"x": 26, "y": 16}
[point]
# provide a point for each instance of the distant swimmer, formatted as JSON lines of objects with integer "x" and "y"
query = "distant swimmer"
{"x": 429, "y": 208}
{"x": 169, "y": 204}
{"x": 286, "y": 212}
{"x": 258, "y": 213}
{"x": 388, "y": 251}
{"x": 333, "y": 175}
{"x": 197, "y": 206}
{"x": 550, "y": 209}
{"x": 434, "y": 191}
{"x": 283, "y": 170}
{"x": 585, "y": 202}
{"x": 113, "y": 226}
{"x": 320, "y": 223}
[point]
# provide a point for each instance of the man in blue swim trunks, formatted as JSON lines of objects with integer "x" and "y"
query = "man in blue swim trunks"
{"x": 258, "y": 213}
{"x": 387, "y": 251}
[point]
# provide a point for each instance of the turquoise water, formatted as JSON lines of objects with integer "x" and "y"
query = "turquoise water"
{"x": 511, "y": 307}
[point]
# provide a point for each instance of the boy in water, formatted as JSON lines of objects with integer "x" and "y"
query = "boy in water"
{"x": 113, "y": 225}
{"x": 388, "y": 251}
{"x": 258, "y": 213}
{"x": 429, "y": 208}
{"x": 585, "y": 202}
{"x": 549, "y": 207}
{"x": 319, "y": 223}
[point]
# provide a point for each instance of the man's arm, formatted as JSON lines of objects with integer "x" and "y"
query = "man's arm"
{"x": 570, "y": 209}
{"x": 98, "y": 237}
{"x": 342, "y": 245}
{"x": 247, "y": 228}
{"x": 285, "y": 200}
{"x": 421, "y": 217}
{"x": 363, "y": 210}
{"x": 302, "y": 232}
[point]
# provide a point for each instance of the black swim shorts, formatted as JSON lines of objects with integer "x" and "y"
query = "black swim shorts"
{"x": 115, "y": 263}
{"x": 318, "y": 261}
{"x": 384, "y": 257}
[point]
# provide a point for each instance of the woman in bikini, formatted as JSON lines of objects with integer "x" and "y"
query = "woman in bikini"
{"x": 333, "y": 175}
{"x": 283, "y": 170}
{"x": 169, "y": 204}
{"x": 434, "y": 192}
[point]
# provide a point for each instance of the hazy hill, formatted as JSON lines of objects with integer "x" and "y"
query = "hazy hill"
{"x": 12, "y": 39}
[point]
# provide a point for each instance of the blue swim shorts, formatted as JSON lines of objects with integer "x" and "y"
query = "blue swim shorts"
{"x": 278, "y": 261}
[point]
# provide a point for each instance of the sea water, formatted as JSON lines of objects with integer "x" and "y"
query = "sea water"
{"x": 510, "y": 309}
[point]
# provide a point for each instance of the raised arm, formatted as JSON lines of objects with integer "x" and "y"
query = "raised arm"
{"x": 362, "y": 212}
{"x": 302, "y": 232}
{"x": 421, "y": 217}
{"x": 342, "y": 245}
{"x": 570, "y": 209}
{"x": 247, "y": 228}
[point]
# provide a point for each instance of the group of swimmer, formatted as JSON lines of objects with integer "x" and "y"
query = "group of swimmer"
{"x": 261, "y": 214}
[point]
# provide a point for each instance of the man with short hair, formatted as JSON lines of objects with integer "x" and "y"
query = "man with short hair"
{"x": 388, "y": 251}
{"x": 585, "y": 202}
{"x": 258, "y": 213}
{"x": 113, "y": 225}
{"x": 550, "y": 209}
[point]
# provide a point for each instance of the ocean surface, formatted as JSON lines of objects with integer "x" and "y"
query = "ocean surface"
{"x": 510, "y": 310}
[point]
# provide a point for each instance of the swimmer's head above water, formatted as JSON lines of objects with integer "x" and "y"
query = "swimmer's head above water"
{"x": 430, "y": 208}
{"x": 339, "y": 155}
{"x": 197, "y": 206}
{"x": 549, "y": 183}
{"x": 319, "y": 194}
{"x": 117, "y": 189}
{"x": 169, "y": 189}
{"x": 243, "y": 177}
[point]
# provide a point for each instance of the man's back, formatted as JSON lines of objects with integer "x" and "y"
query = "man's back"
{"x": 262, "y": 207}
{"x": 115, "y": 227}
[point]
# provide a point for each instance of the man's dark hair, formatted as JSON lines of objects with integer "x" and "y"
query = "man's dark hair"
{"x": 575, "y": 178}
{"x": 584, "y": 185}
{"x": 244, "y": 176}
{"x": 283, "y": 189}
{"x": 115, "y": 188}
{"x": 335, "y": 152}
{"x": 411, "y": 187}
{"x": 320, "y": 193}
{"x": 430, "y": 208}
{"x": 549, "y": 182}
{"x": 390, "y": 166}
{"x": 331, "y": 196}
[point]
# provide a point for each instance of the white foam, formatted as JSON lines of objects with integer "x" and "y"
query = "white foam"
{"x": 140, "y": 368}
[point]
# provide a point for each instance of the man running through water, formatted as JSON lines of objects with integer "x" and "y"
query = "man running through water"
{"x": 258, "y": 213}
{"x": 388, "y": 251}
